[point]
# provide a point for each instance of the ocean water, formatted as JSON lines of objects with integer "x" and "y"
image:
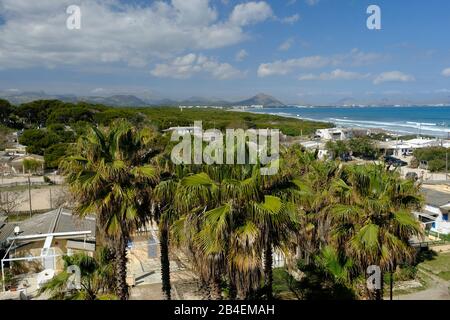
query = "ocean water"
{"x": 432, "y": 121}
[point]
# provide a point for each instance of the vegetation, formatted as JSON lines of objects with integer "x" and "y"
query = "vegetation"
{"x": 4, "y": 132}
{"x": 229, "y": 219}
{"x": 109, "y": 175}
{"x": 362, "y": 147}
{"x": 50, "y": 126}
{"x": 329, "y": 221}
{"x": 31, "y": 165}
{"x": 435, "y": 157}
{"x": 438, "y": 265}
{"x": 96, "y": 278}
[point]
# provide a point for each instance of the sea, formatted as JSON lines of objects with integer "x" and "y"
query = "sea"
{"x": 421, "y": 120}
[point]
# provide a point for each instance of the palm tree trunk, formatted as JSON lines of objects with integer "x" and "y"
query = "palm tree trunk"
{"x": 216, "y": 288}
{"x": 379, "y": 292}
{"x": 165, "y": 261}
{"x": 391, "y": 285}
{"x": 121, "y": 270}
{"x": 268, "y": 272}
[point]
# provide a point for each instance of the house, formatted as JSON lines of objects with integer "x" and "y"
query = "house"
{"x": 181, "y": 131}
{"x": 334, "y": 134}
{"x": 38, "y": 243}
{"x": 434, "y": 216}
{"x": 407, "y": 147}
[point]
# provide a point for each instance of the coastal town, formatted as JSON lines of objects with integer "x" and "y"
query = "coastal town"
{"x": 40, "y": 228}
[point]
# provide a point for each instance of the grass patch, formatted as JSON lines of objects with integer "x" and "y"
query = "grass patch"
{"x": 439, "y": 265}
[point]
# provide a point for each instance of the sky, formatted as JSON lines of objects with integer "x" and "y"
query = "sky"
{"x": 300, "y": 51}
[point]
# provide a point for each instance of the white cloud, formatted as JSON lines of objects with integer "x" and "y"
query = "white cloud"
{"x": 312, "y": 2}
{"x": 393, "y": 76}
{"x": 286, "y": 45}
{"x": 446, "y": 72}
{"x": 241, "y": 55}
{"x": 98, "y": 90}
{"x": 442, "y": 91}
{"x": 186, "y": 66}
{"x": 34, "y": 33}
{"x": 337, "y": 74}
{"x": 282, "y": 67}
{"x": 250, "y": 13}
{"x": 292, "y": 19}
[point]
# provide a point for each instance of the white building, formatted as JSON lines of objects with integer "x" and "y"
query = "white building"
{"x": 334, "y": 134}
{"x": 435, "y": 214}
{"x": 407, "y": 147}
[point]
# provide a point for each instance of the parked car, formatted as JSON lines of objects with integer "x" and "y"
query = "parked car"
{"x": 392, "y": 161}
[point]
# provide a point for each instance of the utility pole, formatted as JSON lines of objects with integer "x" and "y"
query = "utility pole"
{"x": 446, "y": 165}
{"x": 51, "y": 202}
{"x": 29, "y": 195}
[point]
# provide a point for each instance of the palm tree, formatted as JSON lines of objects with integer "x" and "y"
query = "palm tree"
{"x": 217, "y": 227}
{"x": 372, "y": 219}
{"x": 109, "y": 176}
{"x": 96, "y": 278}
{"x": 276, "y": 221}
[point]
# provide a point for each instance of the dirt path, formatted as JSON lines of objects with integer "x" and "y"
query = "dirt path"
{"x": 440, "y": 290}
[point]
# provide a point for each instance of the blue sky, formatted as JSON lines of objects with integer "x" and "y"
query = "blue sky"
{"x": 303, "y": 51}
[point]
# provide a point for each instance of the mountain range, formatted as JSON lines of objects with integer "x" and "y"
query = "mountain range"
{"x": 17, "y": 98}
{"x": 267, "y": 101}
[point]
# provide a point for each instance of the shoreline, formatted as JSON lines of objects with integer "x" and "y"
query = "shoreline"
{"x": 422, "y": 130}
{"x": 379, "y": 130}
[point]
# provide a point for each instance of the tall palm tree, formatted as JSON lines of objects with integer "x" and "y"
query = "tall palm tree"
{"x": 109, "y": 176}
{"x": 372, "y": 220}
{"x": 217, "y": 226}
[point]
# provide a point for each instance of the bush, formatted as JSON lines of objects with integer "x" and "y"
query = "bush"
{"x": 414, "y": 163}
{"x": 363, "y": 148}
{"x": 436, "y": 165}
{"x": 54, "y": 154}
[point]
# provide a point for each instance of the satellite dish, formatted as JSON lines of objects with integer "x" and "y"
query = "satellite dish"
{"x": 16, "y": 230}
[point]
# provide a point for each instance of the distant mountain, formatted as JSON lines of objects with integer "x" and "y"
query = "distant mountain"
{"x": 261, "y": 99}
{"x": 127, "y": 100}
{"x": 116, "y": 101}
{"x": 200, "y": 101}
{"x": 17, "y": 98}
{"x": 133, "y": 101}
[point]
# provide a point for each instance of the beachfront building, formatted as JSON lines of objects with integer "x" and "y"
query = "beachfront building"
{"x": 334, "y": 134}
{"x": 407, "y": 147}
{"x": 434, "y": 216}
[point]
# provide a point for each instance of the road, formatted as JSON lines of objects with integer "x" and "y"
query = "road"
{"x": 440, "y": 290}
